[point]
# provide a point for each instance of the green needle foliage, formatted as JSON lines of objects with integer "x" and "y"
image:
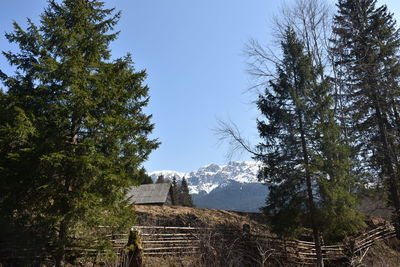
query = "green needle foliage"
{"x": 307, "y": 164}
{"x": 185, "y": 199}
{"x": 180, "y": 193}
{"x": 73, "y": 134}
{"x": 366, "y": 50}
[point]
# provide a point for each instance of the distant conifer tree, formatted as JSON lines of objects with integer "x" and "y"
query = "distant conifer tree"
{"x": 185, "y": 199}
{"x": 160, "y": 179}
{"x": 144, "y": 178}
{"x": 175, "y": 189}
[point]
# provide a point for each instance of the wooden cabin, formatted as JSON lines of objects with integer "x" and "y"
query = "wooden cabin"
{"x": 151, "y": 194}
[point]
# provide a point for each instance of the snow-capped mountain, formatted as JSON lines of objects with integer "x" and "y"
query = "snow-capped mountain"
{"x": 212, "y": 175}
{"x": 232, "y": 186}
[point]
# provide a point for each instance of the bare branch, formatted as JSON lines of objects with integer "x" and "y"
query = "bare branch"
{"x": 229, "y": 132}
{"x": 311, "y": 20}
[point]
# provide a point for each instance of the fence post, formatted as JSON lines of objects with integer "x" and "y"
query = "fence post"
{"x": 135, "y": 249}
{"x": 349, "y": 245}
{"x": 246, "y": 229}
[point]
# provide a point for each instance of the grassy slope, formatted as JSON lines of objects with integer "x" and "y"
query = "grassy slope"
{"x": 383, "y": 253}
{"x": 194, "y": 217}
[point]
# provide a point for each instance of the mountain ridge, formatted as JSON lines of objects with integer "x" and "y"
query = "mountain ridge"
{"x": 233, "y": 186}
{"x": 212, "y": 175}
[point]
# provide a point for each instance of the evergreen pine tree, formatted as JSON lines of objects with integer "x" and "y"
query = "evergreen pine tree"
{"x": 366, "y": 49}
{"x": 160, "y": 179}
{"x": 332, "y": 166}
{"x": 73, "y": 134}
{"x": 306, "y": 165}
{"x": 185, "y": 199}
{"x": 143, "y": 178}
{"x": 175, "y": 189}
{"x": 285, "y": 150}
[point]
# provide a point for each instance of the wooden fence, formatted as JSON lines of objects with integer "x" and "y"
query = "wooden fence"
{"x": 158, "y": 241}
{"x": 170, "y": 240}
{"x": 16, "y": 251}
{"x": 173, "y": 241}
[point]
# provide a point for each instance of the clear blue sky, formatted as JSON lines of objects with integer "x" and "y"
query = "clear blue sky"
{"x": 192, "y": 51}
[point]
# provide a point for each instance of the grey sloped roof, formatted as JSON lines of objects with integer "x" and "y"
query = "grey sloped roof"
{"x": 149, "y": 193}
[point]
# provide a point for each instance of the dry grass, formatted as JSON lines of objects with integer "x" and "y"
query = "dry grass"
{"x": 194, "y": 217}
{"x": 183, "y": 261}
{"x": 383, "y": 254}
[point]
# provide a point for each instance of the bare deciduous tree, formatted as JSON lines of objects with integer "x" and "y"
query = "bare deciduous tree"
{"x": 312, "y": 22}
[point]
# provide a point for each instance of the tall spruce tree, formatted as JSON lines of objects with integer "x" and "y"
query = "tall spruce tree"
{"x": 161, "y": 179}
{"x": 73, "y": 134}
{"x": 185, "y": 199}
{"x": 306, "y": 163}
{"x": 366, "y": 48}
{"x": 143, "y": 178}
{"x": 332, "y": 167}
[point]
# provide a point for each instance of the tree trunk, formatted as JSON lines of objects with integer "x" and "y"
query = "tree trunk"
{"x": 62, "y": 236}
{"x": 63, "y": 233}
{"x": 135, "y": 250}
{"x": 311, "y": 204}
{"x": 389, "y": 170}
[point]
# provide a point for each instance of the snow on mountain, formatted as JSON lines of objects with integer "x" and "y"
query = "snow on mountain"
{"x": 211, "y": 176}
{"x": 233, "y": 186}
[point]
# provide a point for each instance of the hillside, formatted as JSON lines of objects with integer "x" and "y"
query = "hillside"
{"x": 382, "y": 253}
{"x": 195, "y": 217}
{"x": 235, "y": 196}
